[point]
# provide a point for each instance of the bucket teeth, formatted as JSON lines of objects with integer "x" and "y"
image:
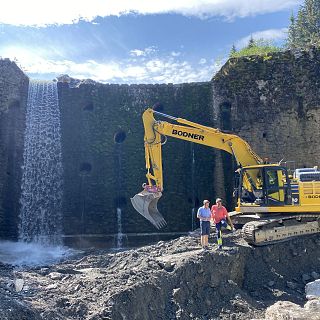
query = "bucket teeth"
{"x": 145, "y": 203}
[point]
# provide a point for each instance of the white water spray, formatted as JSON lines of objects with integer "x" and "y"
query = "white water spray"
{"x": 120, "y": 235}
{"x": 42, "y": 180}
{"x": 32, "y": 254}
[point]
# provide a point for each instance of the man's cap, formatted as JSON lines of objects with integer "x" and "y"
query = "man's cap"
{"x": 218, "y": 200}
{"x": 206, "y": 201}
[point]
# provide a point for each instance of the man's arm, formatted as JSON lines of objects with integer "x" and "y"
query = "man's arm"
{"x": 198, "y": 214}
{"x": 213, "y": 213}
{"x": 230, "y": 222}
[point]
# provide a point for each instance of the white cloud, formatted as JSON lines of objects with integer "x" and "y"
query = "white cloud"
{"x": 202, "y": 61}
{"x": 43, "y": 12}
{"x": 270, "y": 34}
{"x": 137, "y": 53}
{"x": 175, "y": 53}
{"x": 166, "y": 69}
{"x": 144, "y": 52}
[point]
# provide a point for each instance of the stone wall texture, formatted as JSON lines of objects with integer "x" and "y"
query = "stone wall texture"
{"x": 13, "y": 99}
{"x": 102, "y": 174}
{"x": 273, "y": 103}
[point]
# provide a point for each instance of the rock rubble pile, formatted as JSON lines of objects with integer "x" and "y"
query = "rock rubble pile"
{"x": 171, "y": 280}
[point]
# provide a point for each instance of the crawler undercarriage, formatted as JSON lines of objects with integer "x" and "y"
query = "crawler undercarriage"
{"x": 266, "y": 230}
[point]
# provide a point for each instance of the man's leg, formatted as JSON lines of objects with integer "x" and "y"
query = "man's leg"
{"x": 219, "y": 235}
{"x": 207, "y": 232}
{"x": 202, "y": 234}
{"x": 225, "y": 224}
{"x": 206, "y": 240}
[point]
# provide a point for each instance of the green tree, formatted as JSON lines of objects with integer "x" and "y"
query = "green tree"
{"x": 232, "y": 51}
{"x": 304, "y": 30}
{"x": 292, "y": 33}
{"x": 251, "y": 43}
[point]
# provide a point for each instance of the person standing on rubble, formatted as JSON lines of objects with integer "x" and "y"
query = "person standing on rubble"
{"x": 220, "y": 215}
{"x": 204, "y": 214}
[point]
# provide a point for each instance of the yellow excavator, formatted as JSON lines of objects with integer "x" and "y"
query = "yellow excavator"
{"x": 272, "y": 205}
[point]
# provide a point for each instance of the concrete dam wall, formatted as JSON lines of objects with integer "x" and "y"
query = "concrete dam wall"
{"x": 272, "y": 102}
{"x": 13, "y": 100}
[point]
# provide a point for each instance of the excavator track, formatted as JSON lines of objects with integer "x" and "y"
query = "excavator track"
{"x": 268, "y": 231}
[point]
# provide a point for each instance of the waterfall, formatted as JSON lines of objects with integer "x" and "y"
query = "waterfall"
{"x": 119, "y": 234}
{"x": 42, "y": 180}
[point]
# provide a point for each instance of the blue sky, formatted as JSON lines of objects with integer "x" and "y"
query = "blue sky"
{"x": 134, "y": 41}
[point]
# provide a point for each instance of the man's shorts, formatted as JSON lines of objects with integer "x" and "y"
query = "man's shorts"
{"x": 221, "y": 223}
{"x": 205, "y": 228}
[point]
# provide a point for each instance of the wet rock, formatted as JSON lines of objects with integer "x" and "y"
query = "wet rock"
{"x": 44, "y": 271}
{"x": 231, "y": 282}
{"x": 161, "y": 244}
{"x": 10, "y": 285}
{"x": 52, "y": 286}
{"x": 315, "y": 275}
{"x": 240, "y": 305}
{"x": 56, "y": 276}
{"x": 167, "y": 265}
{"x": 313, "y": 290}
{"x": 18, "y": 284}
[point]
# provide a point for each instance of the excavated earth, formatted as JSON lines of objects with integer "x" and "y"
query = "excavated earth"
{"x": 167, "y": 280}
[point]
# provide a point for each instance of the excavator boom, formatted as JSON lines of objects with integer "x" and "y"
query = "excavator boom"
{"x": 145, "y": 202}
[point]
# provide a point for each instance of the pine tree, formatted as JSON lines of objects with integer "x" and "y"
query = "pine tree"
{"x": 304, "y": 31}
{"x": 251, "y": 43}
{"x": 292, "y": 33}
{"x": 232, "y": 51}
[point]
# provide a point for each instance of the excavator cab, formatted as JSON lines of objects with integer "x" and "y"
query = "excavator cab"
{"x": 265, "y": 185}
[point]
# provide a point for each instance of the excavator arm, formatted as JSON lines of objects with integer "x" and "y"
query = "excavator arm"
{"x": 145, "y": 202}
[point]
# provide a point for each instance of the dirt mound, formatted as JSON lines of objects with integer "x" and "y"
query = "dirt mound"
{"x": 168, "y": 280}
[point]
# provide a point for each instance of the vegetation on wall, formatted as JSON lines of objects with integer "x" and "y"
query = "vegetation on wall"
{"x": 303, "y": 32}
{"x": 255, "y": 47}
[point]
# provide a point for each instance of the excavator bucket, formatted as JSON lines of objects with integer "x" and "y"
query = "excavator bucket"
{"x": 145, "y": 203}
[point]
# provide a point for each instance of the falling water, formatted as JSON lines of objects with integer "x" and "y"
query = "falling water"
{"x": 41, "y": 191}
{"x": 119, "y": 234}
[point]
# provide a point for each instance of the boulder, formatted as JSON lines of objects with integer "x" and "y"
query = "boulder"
{"x": 313, "y": 290}
{"x": 313, "y": 305}
{"x": 284, "y": 310}
{"x": 18, "y": 284}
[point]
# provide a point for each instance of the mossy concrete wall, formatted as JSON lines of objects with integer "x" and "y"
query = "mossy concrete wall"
{"x": 102, "y": 174}
{"x": 273, "y": 102}
{"x": 13, "y": 99}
